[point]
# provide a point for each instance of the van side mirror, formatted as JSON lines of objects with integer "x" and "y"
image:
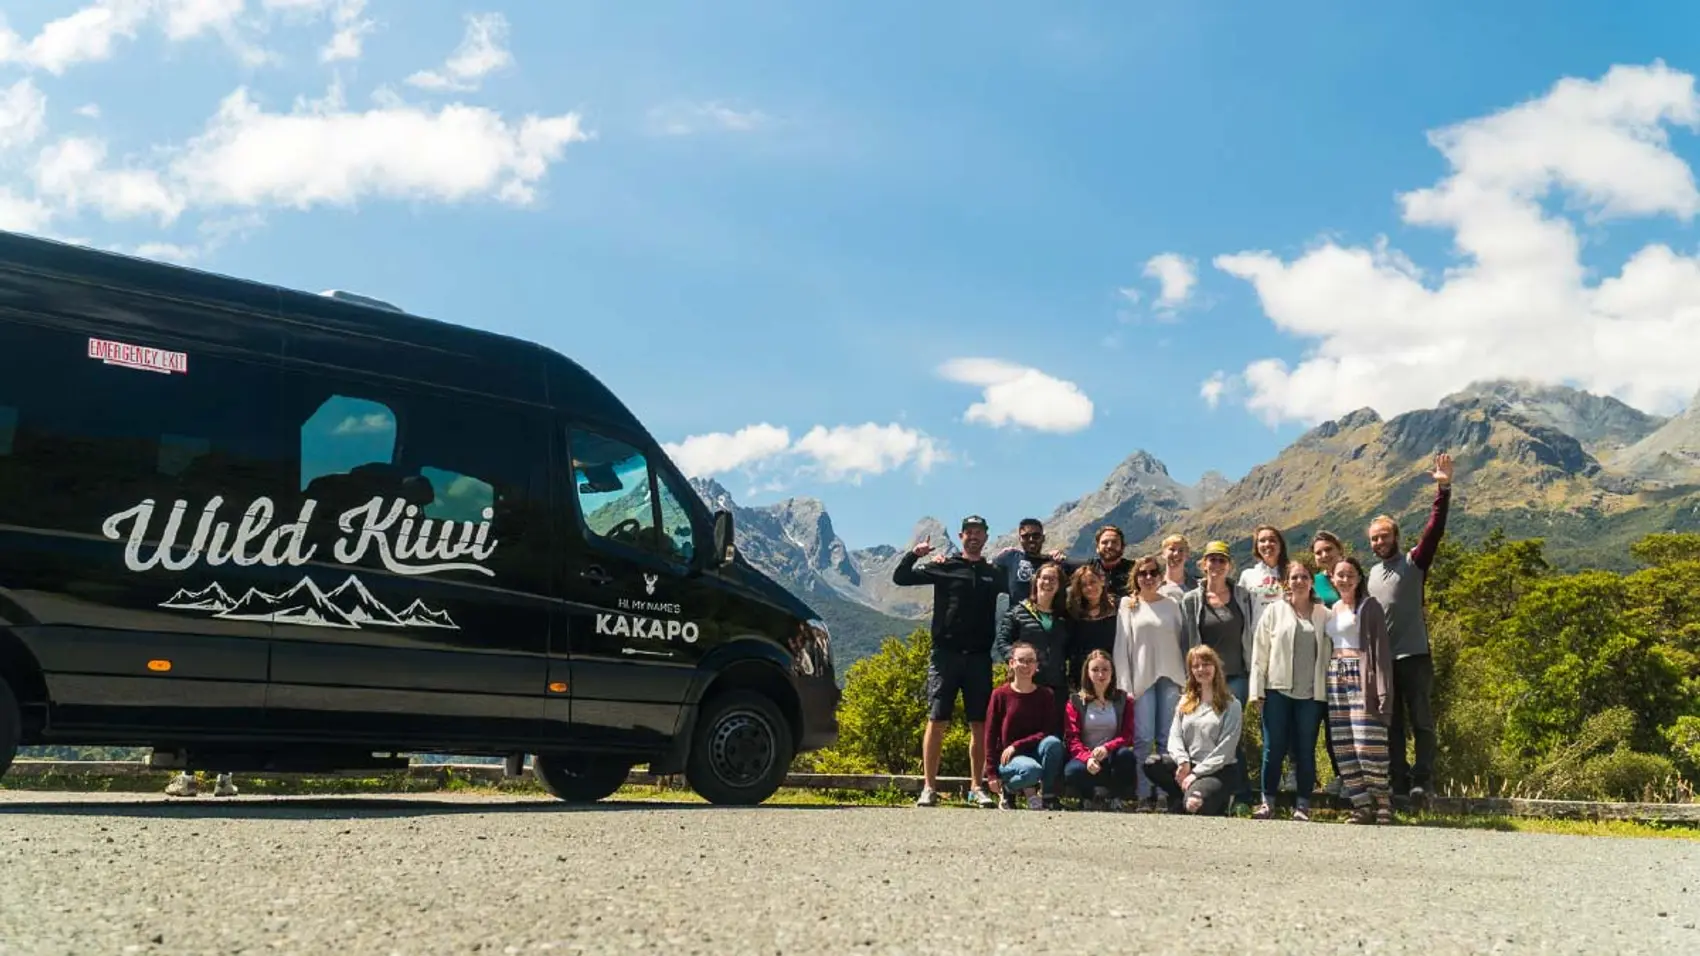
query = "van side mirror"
{"x": 724, "y": 543}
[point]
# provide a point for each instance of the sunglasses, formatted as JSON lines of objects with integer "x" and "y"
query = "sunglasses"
{"x": 1149, "y": 574}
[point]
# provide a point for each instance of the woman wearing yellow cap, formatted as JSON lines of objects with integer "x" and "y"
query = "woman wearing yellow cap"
{"x": 1218, "y": 614}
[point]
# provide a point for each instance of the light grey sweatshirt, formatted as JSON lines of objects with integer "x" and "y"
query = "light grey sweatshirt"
{"x": 1204, "y": 738}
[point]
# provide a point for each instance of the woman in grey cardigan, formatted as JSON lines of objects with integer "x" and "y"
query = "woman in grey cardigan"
{"x": 1218, "y": 614}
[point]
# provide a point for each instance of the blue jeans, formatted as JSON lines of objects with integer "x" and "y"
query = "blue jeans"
{"x": 1290, "y": 725}
{"x": 1153, "y": 712}
{"x": 1240, "y": 687}
{"x": 1024, "y": 771}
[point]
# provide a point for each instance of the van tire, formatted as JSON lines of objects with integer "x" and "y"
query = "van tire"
{"x": 11, "y": 726}
{"x": 741, "y": 749}
{"x": 580, "y": 778}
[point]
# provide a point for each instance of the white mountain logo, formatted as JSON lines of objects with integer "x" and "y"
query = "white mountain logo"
{"x": 351, "y": 606}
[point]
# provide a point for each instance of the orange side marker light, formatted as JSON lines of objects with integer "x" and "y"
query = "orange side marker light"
{"x": 558, "y": 687}
{"x": 161, "y": 666}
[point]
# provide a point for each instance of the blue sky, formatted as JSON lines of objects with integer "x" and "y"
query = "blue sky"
{"x": 802, "y": 217}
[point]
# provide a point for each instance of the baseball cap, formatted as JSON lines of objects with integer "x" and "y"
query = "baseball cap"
{"x": 1216, "y": 547}
{"x": 973, "y": 521}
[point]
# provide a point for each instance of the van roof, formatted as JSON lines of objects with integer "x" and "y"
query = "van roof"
{"x": 345, "y": 314}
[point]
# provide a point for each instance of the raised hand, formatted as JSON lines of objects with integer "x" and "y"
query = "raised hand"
{"x": 1443, "y": 468}
{"x": 922, "y": 549}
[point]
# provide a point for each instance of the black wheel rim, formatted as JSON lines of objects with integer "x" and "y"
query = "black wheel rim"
{"x": 742, "y": 748}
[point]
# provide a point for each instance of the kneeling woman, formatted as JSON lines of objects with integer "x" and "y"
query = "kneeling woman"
{"x": 1099, "y": 735}
{"x": 1024, "y": 748}
{"x": 1198, "y": 771}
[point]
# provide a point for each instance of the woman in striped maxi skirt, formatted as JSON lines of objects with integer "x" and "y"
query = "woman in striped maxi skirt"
{"x": 1360, "y": 693}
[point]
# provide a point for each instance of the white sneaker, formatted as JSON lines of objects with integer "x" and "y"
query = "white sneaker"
{"x": 929, "y": 797}
{"x": 183, "y": 785}
{"x": 226, "y": 786}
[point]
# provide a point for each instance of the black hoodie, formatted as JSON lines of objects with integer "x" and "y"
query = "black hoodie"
{"x": 965, "y": 599}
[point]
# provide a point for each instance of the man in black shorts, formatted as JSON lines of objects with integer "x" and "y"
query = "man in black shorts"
{"x": 965, "y": 620}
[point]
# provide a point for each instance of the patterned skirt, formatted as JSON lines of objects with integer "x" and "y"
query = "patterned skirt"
{"x": 1359, "y": 741}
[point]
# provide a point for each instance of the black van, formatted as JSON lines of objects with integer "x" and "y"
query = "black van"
{"x": 258, "y": 529}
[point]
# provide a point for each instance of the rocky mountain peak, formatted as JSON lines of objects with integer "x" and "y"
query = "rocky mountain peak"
{"x": 1140, "y": 464}
{"x": 1211, "y": 485}
{"x": 1599, "y": 422}
{"x": 713, "y": 493}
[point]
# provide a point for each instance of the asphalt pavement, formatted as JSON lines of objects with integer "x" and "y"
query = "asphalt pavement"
{"x": 104, "y": 873}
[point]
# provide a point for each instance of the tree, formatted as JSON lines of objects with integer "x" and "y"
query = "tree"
{"x": 1667, "y": 547}
{"x": 884, "y": 711}
{"x": 1576, "y": 650}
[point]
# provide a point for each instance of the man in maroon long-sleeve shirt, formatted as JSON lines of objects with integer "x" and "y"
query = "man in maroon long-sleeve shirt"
{"x": 1396, "y": 581}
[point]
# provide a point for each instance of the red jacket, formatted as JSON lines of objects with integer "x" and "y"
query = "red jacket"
{"x": 1071, "y": 732}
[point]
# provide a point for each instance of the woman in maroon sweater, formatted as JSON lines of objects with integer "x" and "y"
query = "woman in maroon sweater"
{"x": 1024, "y": 748}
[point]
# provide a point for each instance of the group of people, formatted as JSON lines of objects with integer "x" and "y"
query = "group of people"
{"x": 1131, "y": 679}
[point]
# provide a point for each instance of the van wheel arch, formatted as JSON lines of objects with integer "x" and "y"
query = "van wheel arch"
{"x": 22, "y": 675}
{"x": 744, "y": 735}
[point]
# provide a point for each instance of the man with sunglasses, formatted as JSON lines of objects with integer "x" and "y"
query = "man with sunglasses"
{"x": 1020, "y": 564}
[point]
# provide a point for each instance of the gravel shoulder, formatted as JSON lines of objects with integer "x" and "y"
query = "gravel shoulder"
{"x": 105, "y": 873}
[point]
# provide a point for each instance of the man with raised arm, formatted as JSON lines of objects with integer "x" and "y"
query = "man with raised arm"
{"x": 1396, "y": 581}
{"x": 965, "y": 621}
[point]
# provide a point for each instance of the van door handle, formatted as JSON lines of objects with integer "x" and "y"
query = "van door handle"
{"x": 596, "y": 575}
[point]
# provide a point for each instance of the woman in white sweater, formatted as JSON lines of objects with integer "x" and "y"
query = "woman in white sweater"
{"x": 1198, "y": 771}
{"x": 1149, "y": 662}
{"x": 1289, "y": 680}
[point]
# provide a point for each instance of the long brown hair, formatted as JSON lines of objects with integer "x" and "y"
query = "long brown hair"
{"x": 1150, "y": 561}
{"x": 1077, "y": 608}
{"x": 1087, "y": 692}
{"x": 1281, "y": 556}
{"x": 1218, "y": 686}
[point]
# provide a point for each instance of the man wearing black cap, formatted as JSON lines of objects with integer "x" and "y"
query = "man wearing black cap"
{"x": 965, "y": 619}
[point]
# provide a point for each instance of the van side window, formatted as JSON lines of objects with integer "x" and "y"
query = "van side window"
{"x": 611, "y": 480}
{"x": 345, "y": 433}
{"x": 452, "y": 487}
{"x": 675, "y": 520}
{"x": 82, "y": 438}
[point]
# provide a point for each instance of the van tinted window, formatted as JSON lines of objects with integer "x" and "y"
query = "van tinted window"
{"x": 82, "y": 438}
{"x": 612, "y": 481}
{"x": 446, "y": 482}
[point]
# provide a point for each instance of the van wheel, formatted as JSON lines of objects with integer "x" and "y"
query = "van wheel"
{"x": 580, "y": 778}
{"x": 11, "y": 725}
{"x": 740, "y": 749}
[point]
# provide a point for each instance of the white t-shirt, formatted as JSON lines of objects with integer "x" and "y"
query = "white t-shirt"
{"x": 1264, "y": 583}
{"x": 1343, "y": 627}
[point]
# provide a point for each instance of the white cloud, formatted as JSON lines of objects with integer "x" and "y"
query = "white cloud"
{"x": 167, "y": 252}
{"x": 1176, "y": 277}
{"x": 848, "y": 452}
{"x": 72, "y": 173}
{"x": 351, "y": 30}
{"x": 86, "y": 35}
{"x": 186, "y": 19}
{"x": 839, "y": 453}
{"x": 1018, "y": 395}
{"x": 18, "y": 214}
{"x": 23, "y": 115}
{"x": 482, "y": 51}
{"x": 325, "y": 154}
{"x": 690, "y": 118}
{"x": 721, "y": 452}
{"x": 1389, "y": 336}
{"x": 249, "y": 158}
{"x": 1212, "y": 389}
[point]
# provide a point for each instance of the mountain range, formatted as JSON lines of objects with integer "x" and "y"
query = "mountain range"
{"x": 1588, "y": 473}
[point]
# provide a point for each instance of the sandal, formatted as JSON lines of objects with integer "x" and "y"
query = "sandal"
{"x": 1361, "y": 816}
{"x": 1263, "y": 812}
{"x": 1301, "y": 815}
{"x": 1384, "y": 815}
